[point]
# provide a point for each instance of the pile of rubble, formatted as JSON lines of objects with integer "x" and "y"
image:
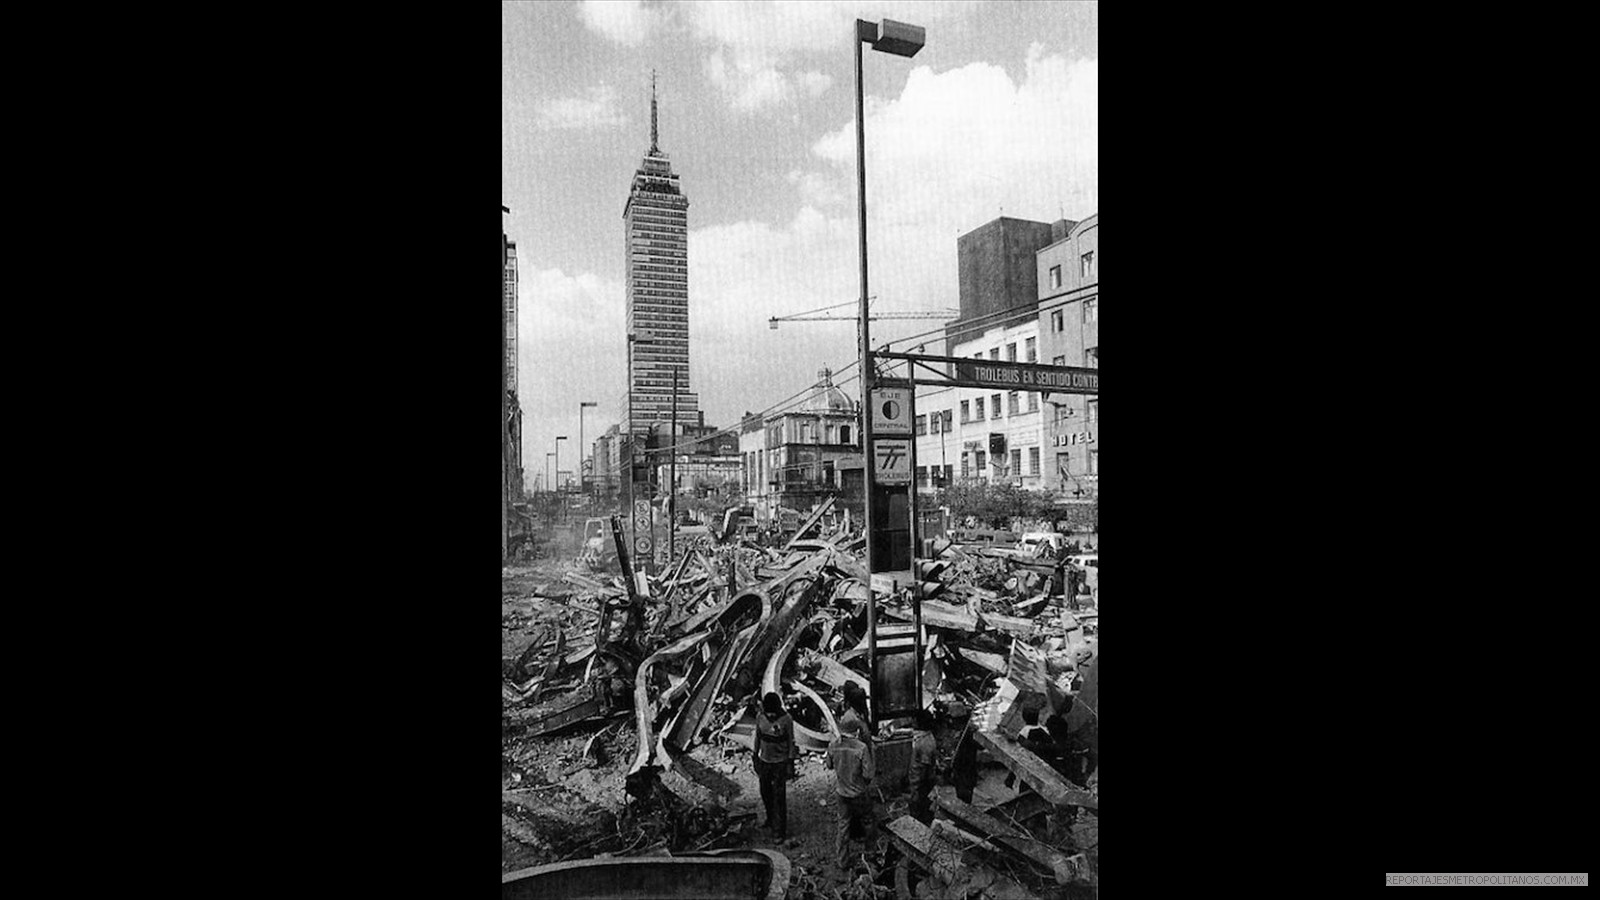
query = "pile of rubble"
{"x": 678, "y": 661}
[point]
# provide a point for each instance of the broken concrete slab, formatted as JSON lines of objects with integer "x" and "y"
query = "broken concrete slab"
{"x": 1012, "y": 839}
{"x": 937, "y": 855}
{"x": 1035, "y": 772}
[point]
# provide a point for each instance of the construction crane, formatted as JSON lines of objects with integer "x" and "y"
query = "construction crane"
{"x": 810, "y": 315}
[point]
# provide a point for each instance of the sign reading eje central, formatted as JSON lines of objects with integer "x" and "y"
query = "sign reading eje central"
{"x": 891, "y": 411}
{"x": 1029, "y": 377}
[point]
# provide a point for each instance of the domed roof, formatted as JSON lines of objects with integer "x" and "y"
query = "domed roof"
{"x": 828, "y": 398}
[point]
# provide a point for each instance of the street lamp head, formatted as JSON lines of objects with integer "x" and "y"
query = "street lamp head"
{"x": 899, "y": 38}
{"x": 561, "y": 437}
{"x": 587, "y": 403}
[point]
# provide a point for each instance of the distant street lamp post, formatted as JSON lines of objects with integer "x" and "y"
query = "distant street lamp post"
{"x": 559, "y": 439}
{"x": 901, "y": 40}
{"x": 547, "y": 470}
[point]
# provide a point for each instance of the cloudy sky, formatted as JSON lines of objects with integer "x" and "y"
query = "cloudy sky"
{"x": 999, "y": 111}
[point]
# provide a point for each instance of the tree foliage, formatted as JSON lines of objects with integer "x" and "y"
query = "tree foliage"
{"x": 995, "y": 505}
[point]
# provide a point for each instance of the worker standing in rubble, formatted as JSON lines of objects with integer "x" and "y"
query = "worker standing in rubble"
{"x": 852, "y": 767}
{"x": 1075, "y": 730}
{"x": 855, "y": 711}
{"x": 923, "y": 750}
{"x": 964, "y": 767}
{"x": 774, "y": 762}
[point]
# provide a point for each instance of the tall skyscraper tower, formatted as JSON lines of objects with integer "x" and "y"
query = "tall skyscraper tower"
{"x": 510, "y": 280}
{"x": 657, "y": 251}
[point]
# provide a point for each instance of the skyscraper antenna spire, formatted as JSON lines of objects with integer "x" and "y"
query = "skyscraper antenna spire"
{"x": 653, "y": 147}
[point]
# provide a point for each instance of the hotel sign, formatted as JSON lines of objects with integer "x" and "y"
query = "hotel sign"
{"x": 1026, "y": 377}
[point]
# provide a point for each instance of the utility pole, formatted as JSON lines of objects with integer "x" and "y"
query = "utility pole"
{"x": 672, "y": 476}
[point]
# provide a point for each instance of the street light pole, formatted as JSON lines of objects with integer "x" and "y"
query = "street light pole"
{"x": 583, "y": 483}
{"x": 557, "y": 483}
{"x": 865, "y": 31}
{"x": 901, "y": 40}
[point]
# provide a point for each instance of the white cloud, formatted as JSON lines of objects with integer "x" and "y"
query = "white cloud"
{"x": 942, "y": 158}
{"x": 598, "y": 110}
{"x": 815, "y": 83}
{"x": 817, "y": 188}
{"x": 749, "y": 84}
{"x": 954, "y": 148}
{"x": 781, "y": 28}
{"x": 758, "y": 43}
{"x": 628, "y": 22}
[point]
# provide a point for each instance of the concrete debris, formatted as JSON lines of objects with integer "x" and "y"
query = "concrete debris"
{"x": 636, "y": 696}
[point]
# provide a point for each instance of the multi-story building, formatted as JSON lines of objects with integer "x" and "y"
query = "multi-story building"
{"x": 795, "y": 459}
{"x": 988, "y": 435}
{"x": 505, "y": 493}
{"x": 607, "y": 460}
{"x": 511, "y": 450}
{"x": 994, "y": 435}
{"x": 1069, "y": 325}
{"x": 997, "y": 271}
{"x": 510, "y": 285}
{"x": 657, "y": 287}
{"x": 707, "y": 463}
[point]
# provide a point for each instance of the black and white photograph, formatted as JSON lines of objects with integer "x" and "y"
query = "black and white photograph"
{"x": 800, "y": 450}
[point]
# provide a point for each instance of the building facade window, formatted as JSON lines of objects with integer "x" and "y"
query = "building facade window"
{"x": 922, "y": 425}
{"x": 995, "y": 354}
{"x": 966, "y": 415}
{"x": 1013, "y": 404}
{"x": 966, "y": 465}
{"x": 1091, "y": 357}
{"x": 1057, "y": 321}
{"x": 1033, "y": 402}
{"x": 977, "y": 410}
{"x": 994, "y": 406}
{"x": 1094, "y": 410}
{"x": 844, "y": 434}
{"x": 1091, "y": 310}
{"x": 1033, "y": 350}
{"x": 1011, "y": 352}
{"x": 1055, "y": 276}
{"x": 1016, "y": 462}
{"x": 1094, "y": 462}
{"x": 1059, "y": 361}
{"x": 922, "y": 476}
{"x": 1087, "y": 261}
{"x": 982, "y": 458}
{"x": 1033, "y": 460}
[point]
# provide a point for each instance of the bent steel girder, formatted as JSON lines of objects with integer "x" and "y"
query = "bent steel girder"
{"x": 644, "y": 709}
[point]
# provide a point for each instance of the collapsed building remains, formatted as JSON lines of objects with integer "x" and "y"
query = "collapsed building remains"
{"x": 681, "y": 661}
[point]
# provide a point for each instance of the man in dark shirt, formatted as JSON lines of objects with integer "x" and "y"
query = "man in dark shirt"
{"x": 774, "y": 762}
{"x": 852, "y": 767}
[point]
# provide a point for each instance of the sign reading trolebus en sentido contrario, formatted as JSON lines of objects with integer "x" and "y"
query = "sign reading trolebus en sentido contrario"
{"x": 1028, "y": 377}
